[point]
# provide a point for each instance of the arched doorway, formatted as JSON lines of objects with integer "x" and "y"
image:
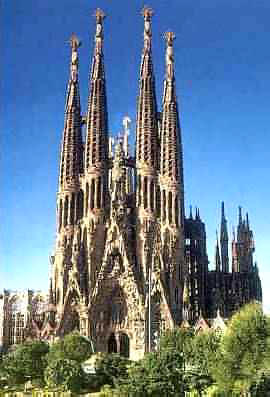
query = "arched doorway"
{"x": 112, "y": 345}
{"x": 124, "y": 345}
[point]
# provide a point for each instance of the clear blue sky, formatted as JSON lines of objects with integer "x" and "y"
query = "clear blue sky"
{"x": 223, "y": 84}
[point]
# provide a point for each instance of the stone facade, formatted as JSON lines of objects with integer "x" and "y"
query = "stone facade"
{"x": 127, "y": 263}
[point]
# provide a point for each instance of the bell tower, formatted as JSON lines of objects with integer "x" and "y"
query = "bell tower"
{"x": 69, "y": 199}
{"x": 172, "y": 184}
{"x": 147, "y": 191}
{"x": 95, "y": 183}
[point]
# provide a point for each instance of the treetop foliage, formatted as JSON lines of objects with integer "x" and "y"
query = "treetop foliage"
{"x": 73, "y": 347}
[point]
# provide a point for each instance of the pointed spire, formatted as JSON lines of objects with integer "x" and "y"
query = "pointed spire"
{"x": 247, "y": 220}
{"x": 190, "y": 212}
{"x": 171, "y": 162}
{"x": 71, "y": 152}
{"x": 240, "y": 215}
{"x": 96, "y": 147}
{"x": 217, "y": 255}
{"x": 147, "y": 128}
{"x": 223, "y": 227}
{"x": 222, "y": 210}
{"x": 240, "y": 225}
{"x": 224, "y": 241}
{"x": 146, "y": 64}
{"x": 171, "y": 147}
{"x": 98, "y": 65}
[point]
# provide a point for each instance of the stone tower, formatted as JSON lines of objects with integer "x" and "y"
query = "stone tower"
{"x": 224, "y": 241}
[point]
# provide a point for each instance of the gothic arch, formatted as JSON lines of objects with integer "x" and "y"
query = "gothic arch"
{"x": 124, "y": 345}
{"x": 112, "y": 344}
{"x": 71, "y": 318}
{"x": 80, "y": 203}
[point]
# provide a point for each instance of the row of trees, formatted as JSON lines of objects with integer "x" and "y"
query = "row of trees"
{"x": 60, "y": 366}
{"x": 236, "y": 363}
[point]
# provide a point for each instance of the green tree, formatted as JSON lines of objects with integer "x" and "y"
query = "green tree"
{"x": 244, "y": 350}
{"x": 110, "y": 368}
{"x": 157, "y": 374}
{"x": 73, "y": 346}
{"x": 66, "y": 374}
{"x": 261, "y": 387}
{"x": 204, "y": 347}
{"x": 179, "y": 339}
{"x": 26, "y": 362}
{"x": 201, "y": 360}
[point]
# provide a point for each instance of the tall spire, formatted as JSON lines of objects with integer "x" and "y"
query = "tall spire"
{"x": 240, "y": 227}
{"x": 147, "y": 127}
{"x": 247, "y": 221}
{"x": 71, "y": 151}
{"x": 224, "y": 241}
{"x": 217, "y": 256}
{"x": 171, "y": 167}
{"x": 97, "y": 120}
{"x": 240, "y": 215}
{"x": 96, "y": 146}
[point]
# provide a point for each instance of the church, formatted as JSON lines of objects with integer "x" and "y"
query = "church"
{"x": 128, "y": 264}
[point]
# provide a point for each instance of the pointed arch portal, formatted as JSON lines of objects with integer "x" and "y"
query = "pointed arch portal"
{"x": 112, "y": 344}
{"x": 124, "y": 345}
{"x": 119, "y": 344}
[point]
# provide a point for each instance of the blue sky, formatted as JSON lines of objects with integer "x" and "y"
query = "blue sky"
{"x": 223, "y": 82}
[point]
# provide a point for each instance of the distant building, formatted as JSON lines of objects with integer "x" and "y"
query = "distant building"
{"x": 19, "y": 313}
{"x": 127, "y": 263}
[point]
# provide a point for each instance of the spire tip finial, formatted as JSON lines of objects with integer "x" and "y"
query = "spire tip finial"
{"x": 240, "y": 214}
{"x": 169, "y": 38}
{"x": 99, "y": 14}
{"x": 74, "y": 42}
{"x": 147, "y": 12}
